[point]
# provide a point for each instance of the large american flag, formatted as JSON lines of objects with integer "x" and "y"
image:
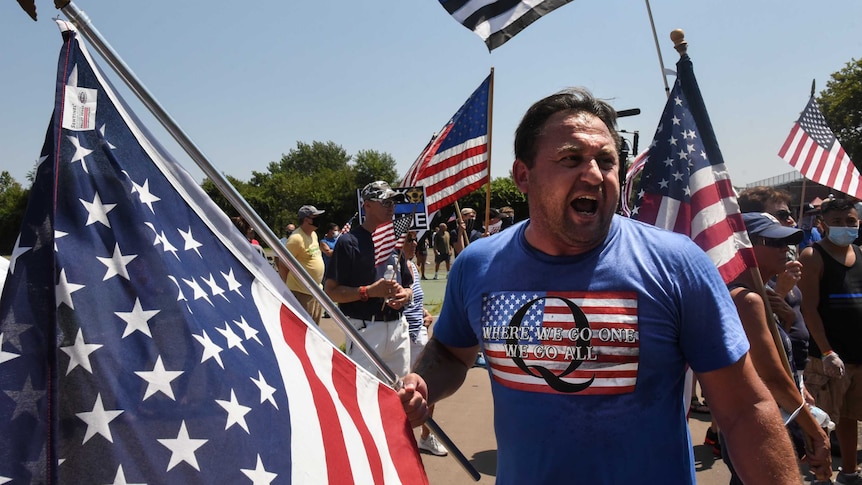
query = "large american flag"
{"x": 143, "y": 340}
{"x": 562, "y": 342}
{"x": 813, "y": 149}
{"x": 497, "y": 21}
{"x": 685, "y": 186}
{"x": 455, "y": 162}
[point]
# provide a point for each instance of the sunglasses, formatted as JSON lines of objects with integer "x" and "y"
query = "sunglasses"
{"x": 410, "y": 240}
{"x": 782, "y": 215}
{"x": 386, "y": 203}
{"x": 774, "y": 243}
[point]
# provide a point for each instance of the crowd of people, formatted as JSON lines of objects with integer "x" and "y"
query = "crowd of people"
{"x": 386, "y": 309}
{"x": 590, "y": 324}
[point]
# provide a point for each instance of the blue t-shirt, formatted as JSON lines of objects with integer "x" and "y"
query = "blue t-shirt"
{"x": 809, "y": 237}
{"x": 587, "y": 353}
{"x": 331, "y": 243}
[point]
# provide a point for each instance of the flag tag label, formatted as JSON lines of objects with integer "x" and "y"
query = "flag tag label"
{"x": 79, "y": 109}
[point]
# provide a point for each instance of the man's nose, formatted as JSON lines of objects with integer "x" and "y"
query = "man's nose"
{"x": 592, "y": 173}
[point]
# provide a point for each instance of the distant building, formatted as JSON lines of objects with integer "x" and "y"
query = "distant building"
{"x": 791, "y": 182}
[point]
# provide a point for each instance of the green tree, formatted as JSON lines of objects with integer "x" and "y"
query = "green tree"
{"x": 841, "y": 103}
{"x": 13, "y": 203}
{"x": 322, "y": 174}
{"x": 503, "y": 193}
{"x": 312, "y": 173}
{"x": 371, "y": 165}
{"x": 220, "y": 200}
{"x": 308, "y": 158}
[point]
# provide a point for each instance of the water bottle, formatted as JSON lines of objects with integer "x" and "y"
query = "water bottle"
{"x": 390, "y": 273}
{"x": 822, "y": 418}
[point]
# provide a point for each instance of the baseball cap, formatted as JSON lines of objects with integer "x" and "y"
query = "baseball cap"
{"x": 380, "y": 190}
{"x": 308, "y": 211}
{"x": 762, "y": 224}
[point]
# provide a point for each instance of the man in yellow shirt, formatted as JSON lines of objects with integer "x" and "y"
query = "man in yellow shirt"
{"x": 303, "y": 245}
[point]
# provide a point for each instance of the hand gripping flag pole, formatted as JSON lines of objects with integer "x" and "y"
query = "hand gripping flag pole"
{"x": 95, "y": 38}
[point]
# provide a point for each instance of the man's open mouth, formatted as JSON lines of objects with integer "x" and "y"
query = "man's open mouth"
{"x": 585, "y": 205}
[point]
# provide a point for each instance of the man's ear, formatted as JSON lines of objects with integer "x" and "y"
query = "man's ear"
{"x": 521, "y": 176}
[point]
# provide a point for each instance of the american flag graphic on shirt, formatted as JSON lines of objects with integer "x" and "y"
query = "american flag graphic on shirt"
{"x": 562, "y": 342}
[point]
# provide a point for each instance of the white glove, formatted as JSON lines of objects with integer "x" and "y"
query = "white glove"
{"x": 833, "y": 366}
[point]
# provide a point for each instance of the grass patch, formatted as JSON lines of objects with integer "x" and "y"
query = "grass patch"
{"x": 434, "y": 307}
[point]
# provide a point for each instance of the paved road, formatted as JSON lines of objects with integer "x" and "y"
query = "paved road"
{"x": 467, "y": 417}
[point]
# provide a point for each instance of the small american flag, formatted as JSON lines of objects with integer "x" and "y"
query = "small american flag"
{"x": 389, "y": 237}
{"x": 498, "y": 21}
{"x": 587, "y": 340}
{"x": 685, "y": 186}
{"x": 347, "y": 225}
{"x": 814, "y": 150}
{"x": 143, "y": 340}
{"x": 455, "y": 162}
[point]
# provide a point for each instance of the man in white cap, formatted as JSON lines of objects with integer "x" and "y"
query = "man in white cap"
{"x": 374, "y": 305}
{"x": 303, "y": 245}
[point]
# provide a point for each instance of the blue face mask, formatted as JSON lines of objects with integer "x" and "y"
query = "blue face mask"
{"x": 843, "y": 236}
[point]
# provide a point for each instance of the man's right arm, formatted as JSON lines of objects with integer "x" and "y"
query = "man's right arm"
{"x": 346, "y": 294}
{"x": 749, "y": 419}
{"x": 458, "y": 237}
{"x": 325, "y": 249}
{"x": 438, "y": 373}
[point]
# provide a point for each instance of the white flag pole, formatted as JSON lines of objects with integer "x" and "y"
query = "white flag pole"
{"x": 664, "y": 71}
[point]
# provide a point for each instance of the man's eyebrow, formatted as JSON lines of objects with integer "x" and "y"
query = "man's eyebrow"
{"x": 577, "y": 148}
{"x": 570, "y": 147}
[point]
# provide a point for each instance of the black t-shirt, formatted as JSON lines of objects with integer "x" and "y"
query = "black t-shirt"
{"x": 352, "y": 264}
{"x": 840, "y": 307}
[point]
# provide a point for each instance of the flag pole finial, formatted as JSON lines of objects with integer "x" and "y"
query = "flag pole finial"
{"x": 679, "y": 43}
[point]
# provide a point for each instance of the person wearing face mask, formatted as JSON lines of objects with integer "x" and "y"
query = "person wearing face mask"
{"x": 303, "y": 245}
{"x": 832, "y": 308}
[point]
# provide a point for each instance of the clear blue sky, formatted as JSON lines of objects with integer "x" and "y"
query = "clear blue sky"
{"x": 246, "y": 81}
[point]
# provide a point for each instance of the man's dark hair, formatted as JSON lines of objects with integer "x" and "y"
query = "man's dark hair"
{"x": 836, "y": 205}
{"x": 331, "y": 226}
{"x": 754, "y": 199}
{"x": 574, "y": 100}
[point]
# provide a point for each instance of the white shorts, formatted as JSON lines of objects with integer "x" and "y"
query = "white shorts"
{"x": 389, "y": 340}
